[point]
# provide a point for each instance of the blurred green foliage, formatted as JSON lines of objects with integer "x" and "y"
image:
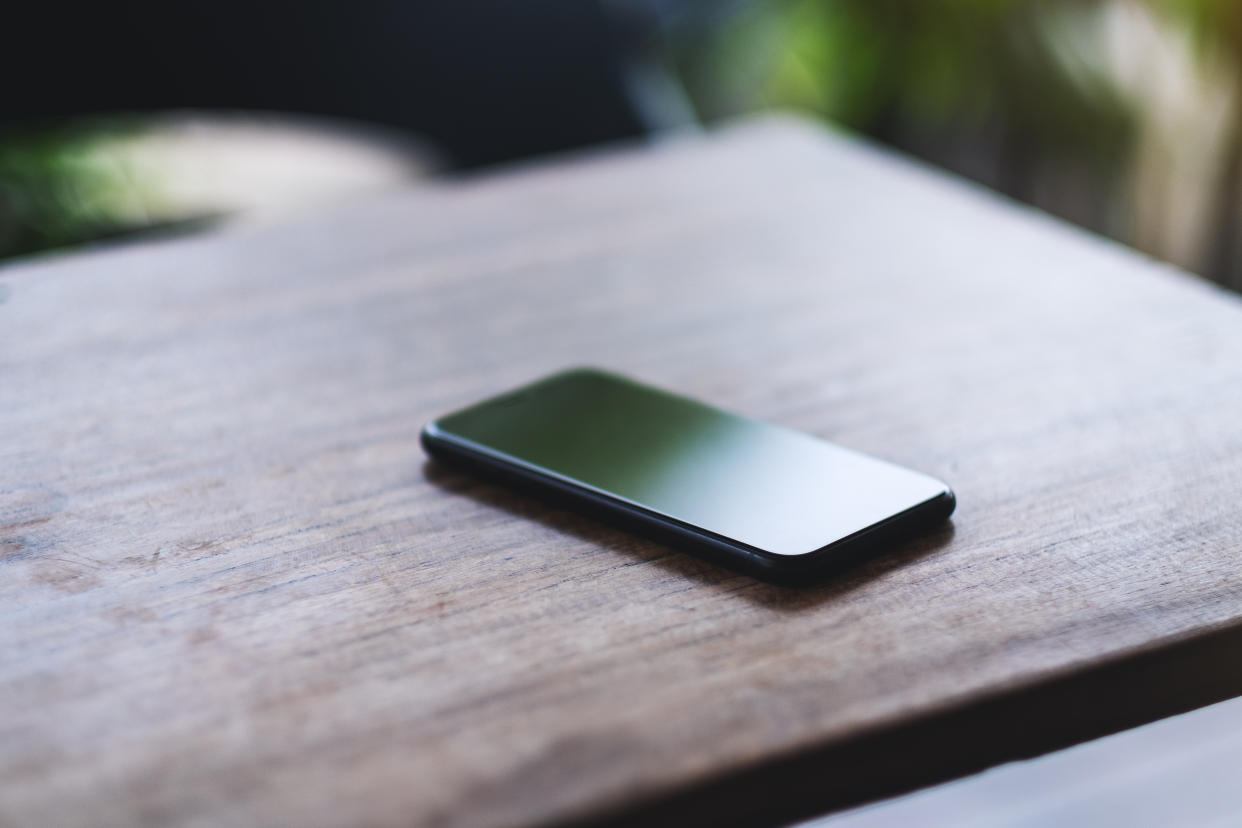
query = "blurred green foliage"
{"x": 59, "y": 185}
{"x": 1087, "y": 108}
{"x": 1122, "y": 115}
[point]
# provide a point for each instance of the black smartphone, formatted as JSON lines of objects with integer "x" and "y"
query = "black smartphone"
{"x": 770, "y": 501}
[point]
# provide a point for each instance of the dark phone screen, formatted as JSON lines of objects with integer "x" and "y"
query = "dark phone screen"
{"x": 768, "y": 487}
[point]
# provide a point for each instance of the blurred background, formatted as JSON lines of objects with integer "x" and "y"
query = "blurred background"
{"x": 132, "y": 118}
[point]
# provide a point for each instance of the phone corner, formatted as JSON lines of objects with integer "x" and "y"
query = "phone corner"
{"x": 582, "y": 372}
{"x": 947, "y": 501}
{"x": 429, "y": 437}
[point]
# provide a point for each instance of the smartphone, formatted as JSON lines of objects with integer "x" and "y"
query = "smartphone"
{"x": 769, "y": 501}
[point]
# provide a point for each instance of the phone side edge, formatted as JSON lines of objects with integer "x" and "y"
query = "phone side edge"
{"x": 614, "y": 512}
{"x": 903, "y": 526}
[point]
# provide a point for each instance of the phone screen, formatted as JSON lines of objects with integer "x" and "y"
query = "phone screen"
{"x": 761, "y": 485}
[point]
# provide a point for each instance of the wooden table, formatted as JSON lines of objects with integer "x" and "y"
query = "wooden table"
{"x": 233, "y": 591}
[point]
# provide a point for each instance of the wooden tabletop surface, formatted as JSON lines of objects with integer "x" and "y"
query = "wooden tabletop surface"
{"x": 232, "y": 590}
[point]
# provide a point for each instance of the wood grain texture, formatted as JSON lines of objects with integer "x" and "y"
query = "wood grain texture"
{"x": 232, "y": 591}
